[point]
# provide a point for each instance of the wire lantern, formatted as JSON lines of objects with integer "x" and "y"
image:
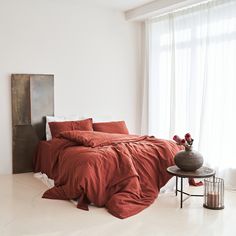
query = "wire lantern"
{"x": 214, "y": 193}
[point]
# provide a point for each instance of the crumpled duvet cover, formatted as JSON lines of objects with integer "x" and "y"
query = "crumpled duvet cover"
{"x": 123, "y": 173}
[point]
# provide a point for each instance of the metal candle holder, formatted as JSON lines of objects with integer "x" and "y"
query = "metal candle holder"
{"x": 214, "y": 193}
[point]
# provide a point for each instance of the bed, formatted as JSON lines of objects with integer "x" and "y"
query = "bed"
{"x": 98, "y": 163}
{"x": 121, "y": 172}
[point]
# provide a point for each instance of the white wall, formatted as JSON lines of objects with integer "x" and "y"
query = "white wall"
{"x": 92, "y": 51}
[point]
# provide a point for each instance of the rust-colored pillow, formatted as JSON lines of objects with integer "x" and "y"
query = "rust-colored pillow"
{"x": 118, "y": 127}
{"x": 57, "y": 127}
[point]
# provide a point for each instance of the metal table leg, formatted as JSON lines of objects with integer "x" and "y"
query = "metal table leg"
{"x": 181, "y": 194}
{"x": 176, "y": 186}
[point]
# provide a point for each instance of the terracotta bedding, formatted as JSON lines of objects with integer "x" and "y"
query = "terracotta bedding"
{"x": 124, "y": 173}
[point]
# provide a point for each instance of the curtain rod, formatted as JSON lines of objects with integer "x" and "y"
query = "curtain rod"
{"x": 162, "y": 7}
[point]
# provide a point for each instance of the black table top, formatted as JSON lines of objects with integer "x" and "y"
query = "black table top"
{"x": 203, "y": 172}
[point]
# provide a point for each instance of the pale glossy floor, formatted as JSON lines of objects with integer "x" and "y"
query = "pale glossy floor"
{"x": 24, "y": 212}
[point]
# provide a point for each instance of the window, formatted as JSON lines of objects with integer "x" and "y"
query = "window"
{"x": 192, "y": 79}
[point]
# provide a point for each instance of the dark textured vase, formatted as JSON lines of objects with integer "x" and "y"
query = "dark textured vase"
{"x": 188, "y": 160}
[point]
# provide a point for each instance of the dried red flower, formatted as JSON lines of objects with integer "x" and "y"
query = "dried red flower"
{"x": 177, "y": 138}
{"x": 183, "y": 141}
{"x": 188, "y": 137}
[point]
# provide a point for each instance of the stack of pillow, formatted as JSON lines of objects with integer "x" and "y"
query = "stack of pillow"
{"x": 56, "y": 125}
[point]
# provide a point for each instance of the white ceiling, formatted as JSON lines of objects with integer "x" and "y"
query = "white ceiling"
{"x": 122, "y": 5}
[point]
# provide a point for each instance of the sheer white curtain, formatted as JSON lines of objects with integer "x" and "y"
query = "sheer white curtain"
{"x": 192, "y": 81}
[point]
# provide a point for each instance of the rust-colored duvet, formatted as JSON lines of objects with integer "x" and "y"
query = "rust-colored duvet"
{"x": 124, "y": 173}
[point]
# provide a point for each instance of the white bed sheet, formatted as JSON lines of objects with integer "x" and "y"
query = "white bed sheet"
{"x": 168, "y": 188}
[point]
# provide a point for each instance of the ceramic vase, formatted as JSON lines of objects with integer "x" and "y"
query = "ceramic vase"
{"x": 188, "y": 159}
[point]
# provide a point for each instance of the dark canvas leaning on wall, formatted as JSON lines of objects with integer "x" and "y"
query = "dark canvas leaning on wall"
{"x": 32, "y": 100}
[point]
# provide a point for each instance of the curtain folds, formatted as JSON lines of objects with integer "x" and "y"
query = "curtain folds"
{"x": 191, "y": 81}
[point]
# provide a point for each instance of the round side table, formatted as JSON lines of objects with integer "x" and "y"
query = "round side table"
{"x": 203, "y": 172}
